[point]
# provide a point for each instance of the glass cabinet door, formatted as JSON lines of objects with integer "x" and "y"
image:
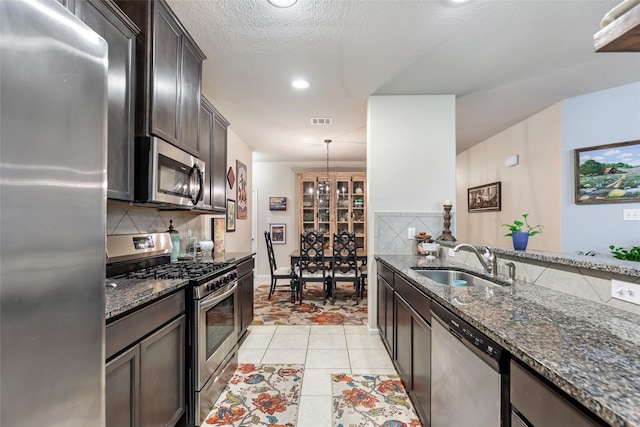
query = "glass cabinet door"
{"x": 358, "y": 211}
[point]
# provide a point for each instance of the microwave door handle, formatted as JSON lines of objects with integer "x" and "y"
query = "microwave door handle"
{"x": 195, "y": 198}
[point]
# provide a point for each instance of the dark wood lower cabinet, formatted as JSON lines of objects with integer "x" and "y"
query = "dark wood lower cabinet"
{"x": 413, "y": 356}
{"x": 145, "y": 372}
{"x": 385, "y": 314}
{"x": 123, "y": 389}
{"x": 413, "y": 345}
{"x": 245, "y": 294}
{"x": 162, "y": 375}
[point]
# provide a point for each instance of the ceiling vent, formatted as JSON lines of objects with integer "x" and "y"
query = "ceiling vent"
{"x": 316, "y": 121}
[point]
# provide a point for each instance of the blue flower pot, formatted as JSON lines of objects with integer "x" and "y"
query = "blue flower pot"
{"x": 520, "y": 240}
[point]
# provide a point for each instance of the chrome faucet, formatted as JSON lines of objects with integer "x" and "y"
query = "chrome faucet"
{"x": 512, "y": 271}
{"x": 488, "y": 259}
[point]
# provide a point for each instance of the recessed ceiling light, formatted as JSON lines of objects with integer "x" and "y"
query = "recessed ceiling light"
{"x": 282, "y": 3}
{"x": 458, "y": 1}
{"x": 300, "y": 84}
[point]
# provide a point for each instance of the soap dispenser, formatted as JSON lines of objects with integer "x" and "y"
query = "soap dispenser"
{"x": 175, "y": 242}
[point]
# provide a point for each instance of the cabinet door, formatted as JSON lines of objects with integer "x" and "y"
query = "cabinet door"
{"x": 421, "y": 368}
{"x": 403, "y": 341}
{"x": 122, "y": 386}
{"x": 189, "y": 115}
{"x": 385, "y": 314}
{"x": 219, "y": 172}
{"x": 245, "y": 285}
{"x": 105, "y": 19}
{"x": 165, "y": 78}
{"x": 206, "y": 141}
{"x": 162, "y": 373}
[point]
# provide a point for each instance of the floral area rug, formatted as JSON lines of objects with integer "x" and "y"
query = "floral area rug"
{"x": 371, "y": 401}
{"x": 280, "y": 311}
{"x": 259, "y": 395}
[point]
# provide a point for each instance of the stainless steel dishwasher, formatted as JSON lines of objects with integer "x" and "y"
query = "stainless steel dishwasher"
{"x": 469, "y": 384}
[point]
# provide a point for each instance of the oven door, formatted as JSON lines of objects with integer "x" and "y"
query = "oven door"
{"x": 167, "y": 174}
{"x": 217, "y": 330}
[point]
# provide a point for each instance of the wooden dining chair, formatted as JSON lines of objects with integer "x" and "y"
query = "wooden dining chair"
{"x": 344, "y": 263}
{"x": 282, "y": 273}
{"x": 311, "y": 267}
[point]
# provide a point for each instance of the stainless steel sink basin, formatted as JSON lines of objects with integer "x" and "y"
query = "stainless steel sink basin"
{"x": 455, "y": 278}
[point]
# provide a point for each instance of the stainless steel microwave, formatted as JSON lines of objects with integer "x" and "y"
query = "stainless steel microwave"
{"x": 167, "y": 175}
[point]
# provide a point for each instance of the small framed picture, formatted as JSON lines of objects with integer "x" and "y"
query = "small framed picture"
{"x": 485, "y": 198}
{"x": 278, "y": 234}
{"x": 277, "y": 203}
{"x": 231, "y": 215}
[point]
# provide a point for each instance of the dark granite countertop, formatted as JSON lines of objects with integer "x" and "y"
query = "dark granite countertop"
{"x": 589, "y": 350}
{"x": 130, "y": 294}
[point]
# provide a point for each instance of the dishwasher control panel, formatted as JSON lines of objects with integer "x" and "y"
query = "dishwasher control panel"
{"x": 468, "y": 333}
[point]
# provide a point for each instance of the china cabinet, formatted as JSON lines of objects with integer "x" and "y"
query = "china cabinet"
{"x": 332, "y": 203}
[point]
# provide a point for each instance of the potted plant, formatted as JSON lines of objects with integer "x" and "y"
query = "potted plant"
{"x": 520, "y": 232}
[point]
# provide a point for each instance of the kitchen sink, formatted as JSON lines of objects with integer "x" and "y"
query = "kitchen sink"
{"x": 455, "y": 278}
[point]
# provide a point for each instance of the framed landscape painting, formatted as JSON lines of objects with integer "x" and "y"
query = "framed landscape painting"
{"x": 485, "y": 197}
{"x": 608, "y": 173}
{"x": 277, "y": 203}
{"x": 278, "y": 234}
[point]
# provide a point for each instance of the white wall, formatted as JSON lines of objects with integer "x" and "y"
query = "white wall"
{"x": 411, "y": 161}
{"x": 532, "y": 186}
{"x": 239, "y": 240}
{"x": 598, "y": 118}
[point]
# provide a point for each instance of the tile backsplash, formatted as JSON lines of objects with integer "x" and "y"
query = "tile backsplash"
{"x": 390, "y": 229}
{"x": 131, "y": 220}
{"x": 585, "y": 283}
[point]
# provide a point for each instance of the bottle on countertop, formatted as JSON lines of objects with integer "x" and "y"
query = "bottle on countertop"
{"x": 192, "y": 245}
{"x": 175, "y": 242}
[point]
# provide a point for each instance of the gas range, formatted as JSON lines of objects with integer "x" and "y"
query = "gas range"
{"x": 145, "y": 257}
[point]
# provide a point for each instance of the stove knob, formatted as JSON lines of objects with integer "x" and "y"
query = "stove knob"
{"x": 233, "y": 275}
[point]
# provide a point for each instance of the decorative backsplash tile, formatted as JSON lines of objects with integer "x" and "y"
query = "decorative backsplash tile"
{"x": 390, "y": 230}
{"x": 131, "y": 220}
{"x": 588, "y": 284}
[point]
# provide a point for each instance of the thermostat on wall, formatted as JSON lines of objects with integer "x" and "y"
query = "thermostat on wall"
{"x": 511, "y": 161}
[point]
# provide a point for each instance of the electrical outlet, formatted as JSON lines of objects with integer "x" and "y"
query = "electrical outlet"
{"x": 631, "y": 214}
{"x": 625, "y": 291}
{"x": 452, "y": 253}
{"x": 411, "y": 232}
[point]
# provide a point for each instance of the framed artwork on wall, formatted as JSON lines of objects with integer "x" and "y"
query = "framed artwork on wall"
{"x": 231, "y": 178}
{"x": 217, "y": 234}
{"x": 277, "y": 203}
{"x": 278, "y": 234}
{"x": 608, "y": 173}
{"x": 485, "y": 197}
{"x": 231, "y": 215}
{"x": 241, "y": 170}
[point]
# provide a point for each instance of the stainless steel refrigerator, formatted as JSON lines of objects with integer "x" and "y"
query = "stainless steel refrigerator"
{"x": 53, "y": 83}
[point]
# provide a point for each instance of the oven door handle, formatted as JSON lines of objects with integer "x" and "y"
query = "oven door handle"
{"x": 214, "y": 299}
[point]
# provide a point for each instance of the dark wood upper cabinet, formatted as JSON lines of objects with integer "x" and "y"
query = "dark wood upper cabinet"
{"x": 213, "y": 150}
{"x": 106, "y": 19}
{"x": 168, "y": 75}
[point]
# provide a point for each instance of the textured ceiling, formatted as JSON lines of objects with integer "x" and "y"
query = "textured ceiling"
{"x": 504, "y": 61}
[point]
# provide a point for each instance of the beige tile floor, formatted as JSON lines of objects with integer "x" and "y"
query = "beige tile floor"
{"x": 324, "y": 350}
